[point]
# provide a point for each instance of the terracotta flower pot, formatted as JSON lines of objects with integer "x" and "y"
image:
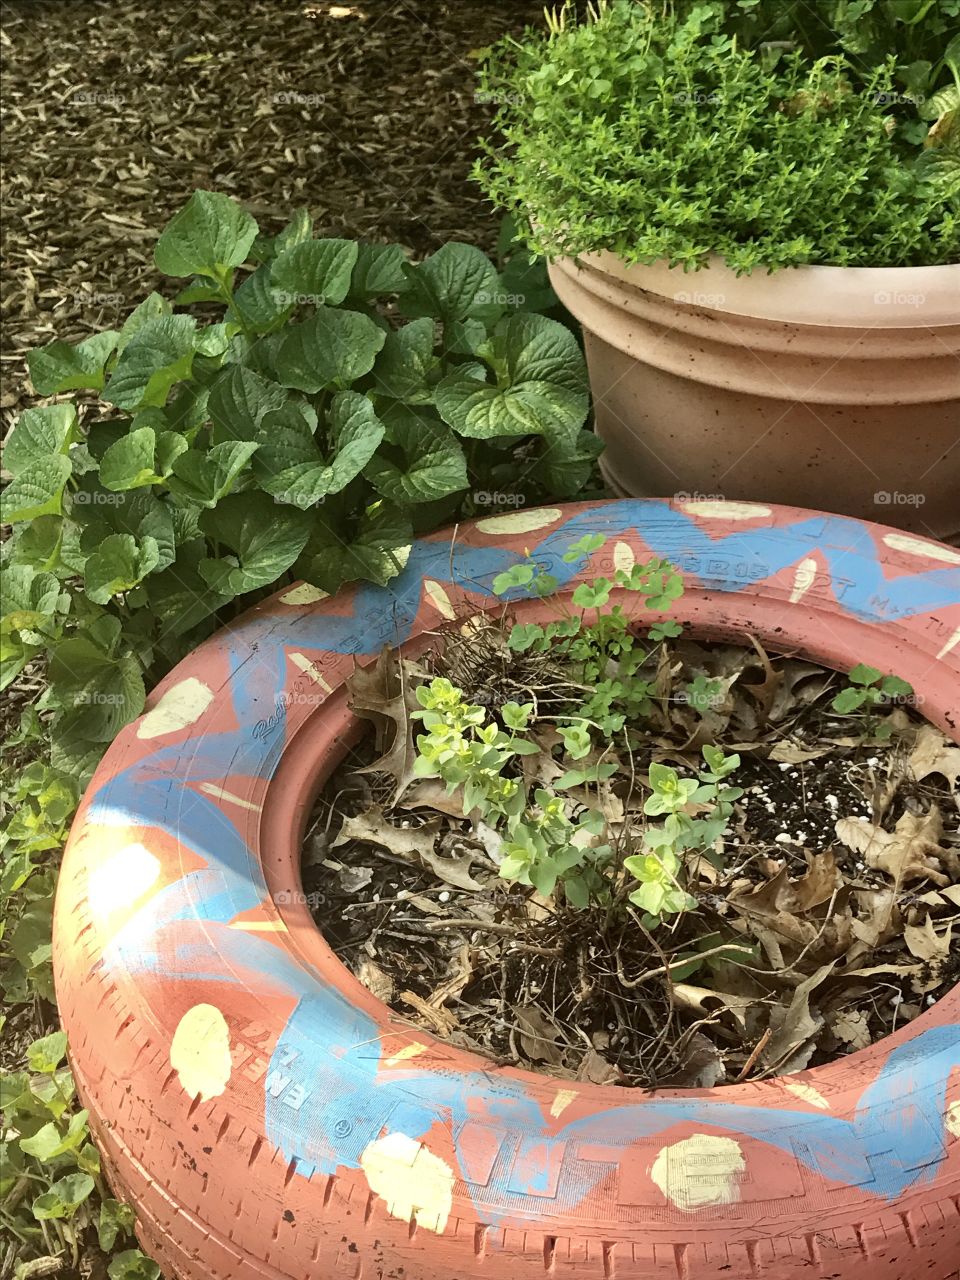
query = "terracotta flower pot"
{"x": 828, "y": 387}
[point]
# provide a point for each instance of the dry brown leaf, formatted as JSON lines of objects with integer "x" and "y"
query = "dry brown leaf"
{"x": 822, "y": 880}
{"x": 795, "y": 1024}
{"x": 852, "y": 1028}
{"x": 377, "y": 982}
{"x": 597, "y": 1070}
{"x": 384, "y": 693}
{"x": 431, "y": 793}
{"x": 925, "y": 943}
{"x": 538, "y": 1036}
{"x": 701, "y": 1065}
{"x": 414, "y": 844}
{"x": 933, "y": 753}
{"x": 910, "y": 852}
{"x": 786, "y": 751}
{"x": 706, "y": 1001}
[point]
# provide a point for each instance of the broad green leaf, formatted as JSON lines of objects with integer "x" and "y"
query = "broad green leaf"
{"x": 30, "y": 940}
{"x": 484, "y": 412}
{"x": 39, "y": 433}
{"x": 46, "y": 1054}
{"x": 378, "y": 272}
{"x": 213, "y": 340}
{"x": 199, "y": 290}
{"x": 238, "y": 400}
{"x": 265, "y": 536}
{"x": 116, "y": 1218}
{"x": 564, "y": 466}
{"x": 375, "y": 549}
{"x": 118, "y": 565}
{"x": 290, "y": 464}
{"x": 425, "y": 463}
{"x": 406, "y": 362}
{"x": 258, "y": 303}
{"x": 60, "y": 367}
{"x": 208, "y": 236}
{"x": 37, "y": 490}
{"x": 31, "y": 600}
{"x": 456, "y": 282}
{"x": 541, "y": 384}
{"x": 298, "y": 229}
{"x": 206, "y": 476}
{"x": 331, "y": 349}
{"x": 864, "y": 675}
{"x": 159, "y": 354}
{"x": 87, "y": 674}
{"x": 151, "y": 308}
{"x": 130, "y": 463}
{"x": 64, "y": 1197}
{"x": 179, "y": 598}
{"x": 132, "y": 1265}
{"x": 170, "y": 445}
{"x": 137, "y": 511}
{"x": 48, "y": 1142}
{"x": 315, "y": 271}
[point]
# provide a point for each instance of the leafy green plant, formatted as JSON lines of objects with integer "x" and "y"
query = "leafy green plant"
{"x": 922, "y": 36}
{"x": 622, "y": 133}
{"x": 50, "y": 1169}
{"x": 657, "y": 869}
{"x": 866, "y": 691}
{"x": 298, "y": 433}
{"x": 551, "y": 833}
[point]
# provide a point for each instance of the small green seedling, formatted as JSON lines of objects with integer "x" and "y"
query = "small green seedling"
{"x": 868, "y": 689}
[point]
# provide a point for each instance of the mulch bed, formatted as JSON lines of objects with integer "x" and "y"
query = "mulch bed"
{"x": 826, "y": 924}
{"x": 116, "y": 110}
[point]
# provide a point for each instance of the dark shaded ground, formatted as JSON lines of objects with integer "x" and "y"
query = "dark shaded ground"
{"x": 114, "y": 112}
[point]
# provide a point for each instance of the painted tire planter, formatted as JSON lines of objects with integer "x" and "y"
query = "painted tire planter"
{"x": 798, "y": 387}
{"x": 269, "y": 1118}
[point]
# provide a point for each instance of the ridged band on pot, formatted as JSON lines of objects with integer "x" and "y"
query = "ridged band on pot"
{"x": 270, "y": 1118}
{"x": 836, "y": 387}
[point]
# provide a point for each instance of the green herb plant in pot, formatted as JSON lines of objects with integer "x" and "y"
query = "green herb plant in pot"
{"x": 756, "y": 223}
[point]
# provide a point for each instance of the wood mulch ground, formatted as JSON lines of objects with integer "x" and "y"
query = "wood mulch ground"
{"x": 116, "y": 111}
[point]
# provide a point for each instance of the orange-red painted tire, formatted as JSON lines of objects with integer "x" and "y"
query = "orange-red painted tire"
{"x": 269, "y": 1118}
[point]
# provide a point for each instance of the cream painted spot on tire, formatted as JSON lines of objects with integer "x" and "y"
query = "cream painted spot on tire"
{"x": 950, "y": 645}
{"x": 726, "y": 510}
{"x": 952, "y": 1119}
{"x": 412, "y": 1180}
{"x": 200, "y": 1052}
{"x": 122, "y": 879}
{"x": 808, "y": 1093}
{"x": 520, "y": 521}
{"x": 803, "y": 579}
{"x": 698, "y": 1171}
{"x": 920, "y": 547}
{"x": 179, "y": 708}
{"x": 439, "y": 598}
{"x": 623, "y": 557}
{"x": 303, "y": 594}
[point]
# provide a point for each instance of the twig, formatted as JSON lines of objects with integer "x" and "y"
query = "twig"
{"x": 631, "y": 983}
{"x": 751, "y": 1061}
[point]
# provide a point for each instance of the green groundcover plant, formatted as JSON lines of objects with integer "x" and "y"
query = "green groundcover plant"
{"x": 303, "y": 408}
{"x": 659, "y": 131}
{"x": 329, "y": 402}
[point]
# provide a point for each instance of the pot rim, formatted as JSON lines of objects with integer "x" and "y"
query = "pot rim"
{"x": 834, "y": 297}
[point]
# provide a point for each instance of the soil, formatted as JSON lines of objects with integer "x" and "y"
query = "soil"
{"x": 829, "y": 921}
